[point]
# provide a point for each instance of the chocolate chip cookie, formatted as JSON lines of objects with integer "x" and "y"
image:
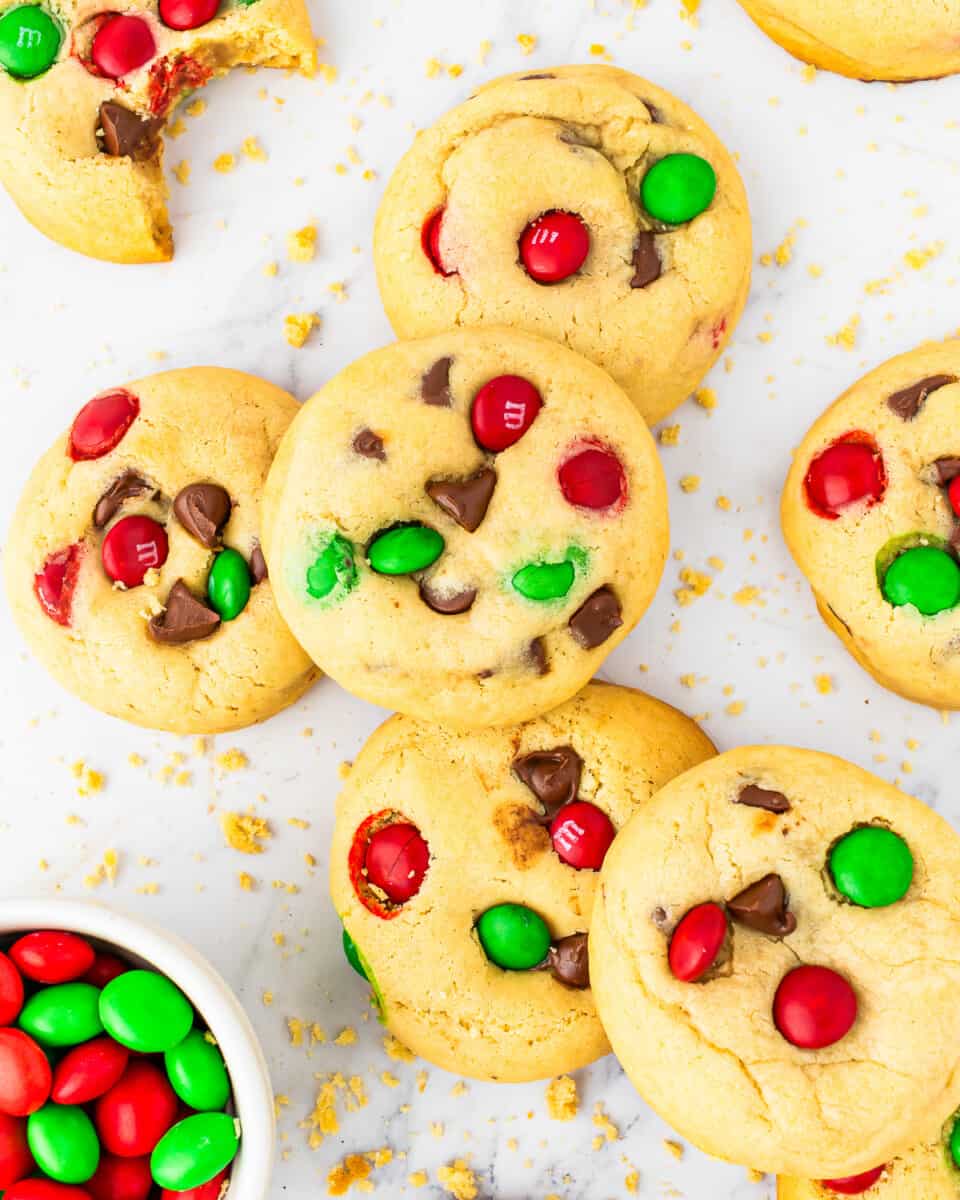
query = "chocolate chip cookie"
{"x": 133, "y": 563}
{"x": 776, "y": 937}
{"x": 462, "y": 528}
{"x": 583, "y": 204}
{"x": 871, "y": 513}
{"x": 464, "y": 869}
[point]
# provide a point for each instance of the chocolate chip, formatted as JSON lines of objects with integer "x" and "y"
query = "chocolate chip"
{"x": 646, "y": 261}
{"x": 125, "y": 134}
{"x": 763, "y": 906}
{"x": 203, "y": 509}
{"x": 369, "y": 445}
{"x": 569, "y": 962}
{"x": 755, "y": 796}
{"x": 907, "y": 403}
{"x": 537, "y": 656}
{"x": 465, "y": 500}
{"x": 552, "y": 775}
{"x": 435, "y": 385}
{"x": 596, "y": 619}
{"x": 129, "y": 484}
{"x": 656, "y": 116}
{"x": 947, "y": 469}
{"x": 258, "y": 566}
{"x": 184, "y": 619}
{"x": 448, "y": 604}
{"x": 526, "y": 78}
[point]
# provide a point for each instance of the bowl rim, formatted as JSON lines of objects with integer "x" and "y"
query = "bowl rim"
{"x": 207, "y": 990}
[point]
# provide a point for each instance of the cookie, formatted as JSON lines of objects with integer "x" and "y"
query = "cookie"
{"x": 928, "y": 1171}
{"x": 464, "y": 869}
{"x": 866, "y": 39}
{"x": 133, "y": 563}
{"x": 462, "y": 528}
{"x": 583, "y": 204}
{"x": 85, "y": 93}
{"x": 870, "y": 513}
{"x": 776, "y": 937}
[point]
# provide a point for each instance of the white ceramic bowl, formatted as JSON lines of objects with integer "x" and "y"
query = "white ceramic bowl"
{"x": 145, "y": 944}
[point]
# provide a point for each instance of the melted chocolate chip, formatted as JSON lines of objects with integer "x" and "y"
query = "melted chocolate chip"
{"x": 755, "y": 796}
{"x": 947, "y": 469}
{"x": 448, "y": 604}
{"x": 184, "y": 619}
{"x": 763, "y": 906}
{"x": 544, "y": 75}
{"x": 465, "y": 500}
{"x": 203, "y": 509}
{"x": 907, "y": 403}
{"x": 258, "y": 566}
{"x": 537, "y": 656}
{"x": 125, "y": 134}
{"x": 569, "y": 962}
{"x": 129, "y": 484}
{"x": 369, "y": 445}
{"x": 656, "y": 116}
{"x": 552, "y": 775}
{"x": 646, "y": 261}
{"x": 596, "y": 619}
{"x": 435, "y": 385}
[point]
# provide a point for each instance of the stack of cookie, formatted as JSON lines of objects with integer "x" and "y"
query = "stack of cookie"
{"x": 461, "y": 527}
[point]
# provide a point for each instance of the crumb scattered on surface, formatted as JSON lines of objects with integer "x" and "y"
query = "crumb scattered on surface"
{"x": 245, "y": 832}
{"x": 458, "y": 1180}
{"x": 563, "y": 1103}
{"x": 297, "y": 328}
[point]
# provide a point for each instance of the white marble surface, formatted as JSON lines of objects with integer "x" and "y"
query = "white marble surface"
{"x": 853, "y": 162}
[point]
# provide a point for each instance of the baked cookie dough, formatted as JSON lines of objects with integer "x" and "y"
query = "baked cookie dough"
{"x": 85, "y": 92}
{"x": 870, "y": 513}
{"x": 133, "y": 564}
{"x": 462, "y": 528}
{"x": 776, "y": 937}
{"x": 583, "y": 204}
{"x": 866, "y": 39}
{"x": 464, "y": 869}
{"x": 929, "y": 1171}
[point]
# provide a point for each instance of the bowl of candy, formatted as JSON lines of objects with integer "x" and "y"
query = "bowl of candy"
{"x": 128, "y": 1068}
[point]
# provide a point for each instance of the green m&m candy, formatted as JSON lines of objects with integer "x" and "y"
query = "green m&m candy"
{"x": 514, "y": 937}
{"x": 872, "y": 866}
{"x": 145, "y": 1011}
{"x": 197, "y": 1072}
{"x": 64, "y": 1143}
{"x": 955, "y": 1142}
{"x": 404, "y": 550}
{"x": 352, "y": 954}
{"x": 228, "y": 585}
{"x": 544, "y": 581}
{"x": 924, "y": 576}
{"x": 194, "y": 1150}
{"x": 63, "y": 1015}
{"x": 334, "y": 566}
{"x": 678, "y": 188}
{"x": 29, "y": 41}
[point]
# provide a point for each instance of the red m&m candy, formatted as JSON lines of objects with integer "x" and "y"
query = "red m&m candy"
{"x": 99, "y": 426}
{"x": 697, "y": 941}
{"x": 187, "y": 14}
{"x": 134, "y": 546}
{"x": 396, "y": 860}
{"x": 89, "y": 1070}
{"x": 853, "y": 1185}
{"x": 121, "y": 45}
{"x": 25, "y": 1075}
{"x": 105, "y": 968}
{"x": 206, "y": 1191}
{"x": 121, "y": 1179}
{"x": 581, "y": 834}
{"x": 53, "y": 584}
{"x": 15, "y": 1157}
{"x": 52, "y": 957}
{"x": 135, "y": 1114}
{"x": 953, "y": 492}
{"x": 593, "y": 478}
{"x": 430, "y": 241}
{"x": 503, "y": 410}
{"x": 11, "y": 992}
{"x": 844, "y": 473}
{"x": 554, "y": 247}
{"x": 814, "y": 1007}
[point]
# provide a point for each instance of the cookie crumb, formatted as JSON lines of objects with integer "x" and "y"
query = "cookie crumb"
{"x": 563, "y": 1103}
{"x": 527, "y": 42}
{"x": 706, "y": 397}
{"x": 297, "y": 327}
{"x": 458, "y": 1180}
{"x": 223, "y": 164}
{"x": 673, "y": 1148}
{"x": 302, "y": 244}
{"x": 244, "y": 832}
